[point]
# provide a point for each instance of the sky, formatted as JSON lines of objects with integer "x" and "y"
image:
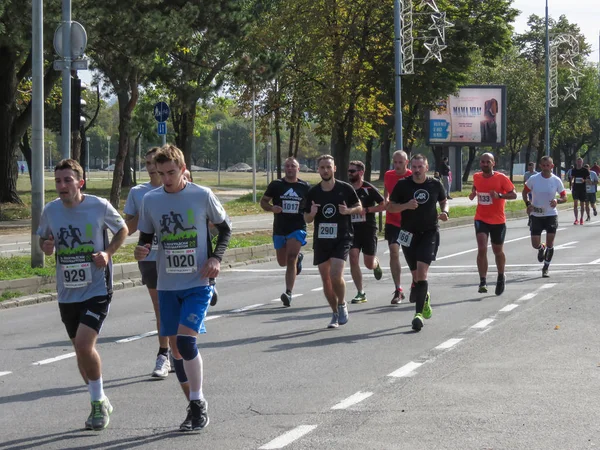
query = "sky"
{"x": 585, "y": 13}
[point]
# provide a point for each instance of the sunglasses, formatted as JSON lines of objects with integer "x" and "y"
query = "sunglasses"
{"x": 353, "y": 170}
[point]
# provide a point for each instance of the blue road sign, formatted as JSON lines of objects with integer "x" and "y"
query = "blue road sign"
{"x": 161, "y": 112}
{"x": 162, "y": 128}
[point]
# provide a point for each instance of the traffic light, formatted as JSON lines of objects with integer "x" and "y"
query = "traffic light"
{"x": 77, "y": 104}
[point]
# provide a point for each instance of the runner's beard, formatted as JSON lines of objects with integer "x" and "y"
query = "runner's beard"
{"x": 326, "y": 179}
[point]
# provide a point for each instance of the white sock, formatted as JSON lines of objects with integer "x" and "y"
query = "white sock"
{"x": 194, "y": 372}
{"x": 96, "y": 390}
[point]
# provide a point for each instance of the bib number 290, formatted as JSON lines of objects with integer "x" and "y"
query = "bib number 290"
{"x": 328, "y": 231}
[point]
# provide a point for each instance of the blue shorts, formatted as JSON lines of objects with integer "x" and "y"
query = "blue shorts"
{"x": 187, "y": 307}
{"x": 279, "y": 241}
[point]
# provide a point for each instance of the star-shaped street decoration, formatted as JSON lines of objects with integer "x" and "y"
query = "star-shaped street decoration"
{"x": 429, "y": 3}
{"x": 434, "y": 50}
{"x": 440, "y": 24}
{"x": 571, "y": 91}
{"x": 568, "y": 58}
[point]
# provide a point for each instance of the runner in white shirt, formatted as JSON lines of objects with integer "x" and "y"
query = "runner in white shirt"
{"x": 591, "y": 186}
{"x": 543, "y": 188}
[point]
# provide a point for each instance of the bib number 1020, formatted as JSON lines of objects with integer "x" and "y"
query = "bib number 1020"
{"x": 180, "y": 261}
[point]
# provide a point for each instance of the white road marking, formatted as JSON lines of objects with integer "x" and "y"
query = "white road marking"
{"x": 560, "y": 229}
{"x": 352, "y": 400}
{"x": 565, "y": 245}
{"x": 317, "y": 289}
{"x": 527, "y": 297}
{"x": 138, "y": 337}
{"x": 596, "y": 261}
{"x": 509, "y": 308}
{"x": 547, "y": 286}
{"x": 246, "y": 308}
{"x": 289, "y": 437}
{"x": 297, "y": 295}
{"x": 475, "y": 249}
{"x": 406, "y": 370}
{"x": 51, "y": 360}
{"x": 15, "y": 243}
{"x": 4, "y": 373}
{"x": 207, "y": 318}
{"x": 484, "y": 323}
{"x": 448, "y": 344}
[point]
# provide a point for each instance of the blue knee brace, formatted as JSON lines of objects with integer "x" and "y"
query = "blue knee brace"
{"x": 187, "y": 347}
{"x": 180, "y": 371}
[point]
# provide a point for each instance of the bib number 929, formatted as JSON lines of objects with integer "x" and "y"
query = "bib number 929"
{"x": 77, "y": 275}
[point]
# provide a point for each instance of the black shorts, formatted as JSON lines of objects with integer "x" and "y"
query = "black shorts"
{"x": 496, "y": 232}
{"x": 365, "y": 239}
{"x": 591, "y": 197}
{"x": 579, "y": 193}
{"x": 423, "y": 248}
{"x": 547, "y": 223}
{"x": 391, "y": 234}
{"x": 324, "y": 251}
{"x": 90, "y": 312}
{"x": 149, "y": 273}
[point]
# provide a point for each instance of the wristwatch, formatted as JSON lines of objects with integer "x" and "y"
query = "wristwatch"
{"x": 500, "y": 195}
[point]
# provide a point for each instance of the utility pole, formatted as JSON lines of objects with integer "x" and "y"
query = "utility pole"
{"x": 398, "y": 72}
{"x": 218, "y": 154}
{"x": 66, "y": 80}
{"x": 253, "y": 145}
{"x": 547, "y": 138}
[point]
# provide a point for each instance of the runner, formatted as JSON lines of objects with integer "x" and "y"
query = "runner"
{"x": 83, "y": 273}
{"x": 591, "y": 186}
{"x": 542, "y": 189}
{"x": 365, "y": 229}
{"x": 184, "y": 264}
{"x": 492, "y": 189}
{"x": 392, "y": 221}
{"x": 416, "y": 199}
{"x": 147, "y": 267}
{"x": 330, "y": 204}
{"x": 578, "y": 178}
{"x": 530, "y": 172}
{"x": 286, "y": 198}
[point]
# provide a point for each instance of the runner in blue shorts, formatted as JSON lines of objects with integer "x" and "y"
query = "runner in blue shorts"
{"x": 286, "y": 199}
{"x": 178, "y": 215}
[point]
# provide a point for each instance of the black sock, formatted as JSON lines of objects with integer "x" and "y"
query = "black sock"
{"x": 482, "y": 280}
{"x": 163, "y": 351}
{"x": 421, "y": 295}
{"x": 549, "y": 254}
{"x": 288, "y": 292}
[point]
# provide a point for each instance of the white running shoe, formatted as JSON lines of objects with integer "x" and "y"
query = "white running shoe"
{"x": 162, "y": 367}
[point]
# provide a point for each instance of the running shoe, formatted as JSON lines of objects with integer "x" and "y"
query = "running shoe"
{"x": 343, "y": 314}
{"x": 286, "y": 299}
{"x": 541, "y": 252}
{"x": 545, "y": 272}
{"x": 377, "y": 272}
{"x": 361, "y": 297}
{"x": 161, "y": 368}
{"x": 199, "y": 413}
{"x": 595, "y": 212}
{"x": 88, "y": 422}
{"x": 299, "y": 263}
{"x": 215, "y": 297}
{"x": 576, "y": 222}
{"x": 398, "y": 296}
{"x": 334, "y": 321}
{"x": 588, "y": 219}
{"x": 186, "y": 425}
{"x": 427, "y": 312}
{"x": 482, "y": 288}
{"x": 581, "y": 221}
{"x": 101, "y": 410}
{"x": 417, "y": 322}
{"x": 500, "y": 284}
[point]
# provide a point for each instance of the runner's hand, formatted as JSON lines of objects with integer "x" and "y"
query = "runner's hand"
{"x": 530, "y": 208}
{"x": 412, "y": 204}
{"x": 443, "y": 216}
{"x": 343, "y": 209}
{"x": 472, "y": 195}
{"x": 210, "y": 268}
{"x": 276, "y": 209}
{"x": 314, "y": 209}
{"x": 48, "y": 245}
{"x": 494, "y": 194}
{"x": 553, "y": 203}
{"x": 141, "y": 252}
{"x": 101, "y": 259}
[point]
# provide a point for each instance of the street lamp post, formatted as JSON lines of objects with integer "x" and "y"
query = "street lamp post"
{"x": 218, "y": 154}
{"x": 87, "y": 155}
{"x": 108, "y": 155}
{"x": 253, "y": 146}
{"x": 547, "y": 139}
{"x": 50, "y": 154}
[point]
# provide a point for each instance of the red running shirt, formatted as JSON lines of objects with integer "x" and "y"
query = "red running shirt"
{"x": 389, "y": 181}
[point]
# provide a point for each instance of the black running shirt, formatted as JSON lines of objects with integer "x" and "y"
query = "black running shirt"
{"x": 329, "y": 223}
{"x": 579, "y": 176}
{"x": 369, "y": 196}
{"x": 427, "y": 194}
{"x": 291, "y": 197}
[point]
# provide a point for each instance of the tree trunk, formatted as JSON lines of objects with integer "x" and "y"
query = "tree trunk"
{"x": 438, "y": 154}
{"x": 513, "y": 155}
{"x": 76, "y": 145}
{"x": 278, "y": 141}
{"x": 384, "y": 155}
{"x": 472, "y": 154}
{"x": 338, "y": 149}
{"x": 369, "y": 158}
{"x": 26, "y": 150}
{"x": 127, "y": 181}
{"x": 9, "y": 143}
{"x": 297, "y": 143}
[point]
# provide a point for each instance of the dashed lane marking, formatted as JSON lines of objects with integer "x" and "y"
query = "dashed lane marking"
{"x": 406, "y": 370}
{"x": 289, "y": 437}
{"x": 352, "y": 400}
{"x": 509, "y": 308}
{"x": 448, "y": 344}
{"x": 483, "y": 323}
{"x": 137, "y": 337}
{"x": 4, "y": 373}
{"x": 51, "y": 360}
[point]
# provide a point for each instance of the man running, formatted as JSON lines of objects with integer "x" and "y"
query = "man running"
{"x": 492, "y": 189}
{"x": 392, "y": 221}
{"x": 416, "y": 198}
{"x": 147, "y": 267}
{"x": 83, "y": 273}
{"x": 184, "y": 268}
{"x": 329, "y": 205}
{"x": 578, "y": 179}
{"x": 542, "y": 189}
{"x": 530, "y": 172}
{"x": 365, "y": 228}
{"x": 286, "y": 198}
{"x": 591, "y": 186}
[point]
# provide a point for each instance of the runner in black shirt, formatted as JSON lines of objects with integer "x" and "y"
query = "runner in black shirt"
{"x": 416, "y": 199}
{"x": 285, "y": 198}
{"x": 365, "y": 228}
{"x": 578, "y": 178}
{"x": 330, "y": 204}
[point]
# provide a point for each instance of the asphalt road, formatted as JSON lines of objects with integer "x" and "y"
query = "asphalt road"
{"x": 518, "y": 371}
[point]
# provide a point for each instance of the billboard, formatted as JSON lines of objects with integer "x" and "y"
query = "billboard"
{"x": 475, "y": 116}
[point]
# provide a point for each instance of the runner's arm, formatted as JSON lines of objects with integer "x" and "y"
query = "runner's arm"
{"x": 117, "y": 240}
{"x": 223, "y": 238}
{"x": 563, "y": 197}
{"x": 380, "y": 207}
{"x": 132, "y": 223}
{"x": 512, "y": 195}
{"x": 265, "y": 203}
{"x": 524, "y": 195}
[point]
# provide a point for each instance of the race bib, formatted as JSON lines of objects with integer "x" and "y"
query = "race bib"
{"x": 357, "y": 218}
{"x": 578, "y": 180}
{"x": 327, "y": 231}
{"x": 539, "y": 209}
{"x": 290, "y": 206}
{"x": 405, "y": 238}
{"x": 484, "y": 198}
{"x": 77, "y": 275}
{"x": 589, "y": 188}
{"x": 181, "y": 261}
{"x": 155, "y": 243}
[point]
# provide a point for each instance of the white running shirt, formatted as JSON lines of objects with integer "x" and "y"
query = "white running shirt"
{"x": 543, "y": 191}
